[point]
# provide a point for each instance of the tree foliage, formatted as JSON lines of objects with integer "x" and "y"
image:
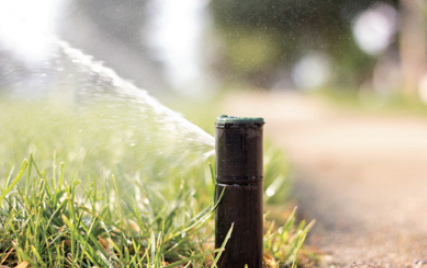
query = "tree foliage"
{"x": 291, "y": 28}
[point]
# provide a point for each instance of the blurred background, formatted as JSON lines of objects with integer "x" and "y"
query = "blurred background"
{"x": 360, "y": 173}
{"x": 196, "y": 48}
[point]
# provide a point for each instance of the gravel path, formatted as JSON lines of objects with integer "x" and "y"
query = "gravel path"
{"x": 363, "y": 178}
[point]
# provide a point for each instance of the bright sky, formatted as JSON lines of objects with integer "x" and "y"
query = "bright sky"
{"x": 177, "y": 33}
{"x": 23, "y": 24}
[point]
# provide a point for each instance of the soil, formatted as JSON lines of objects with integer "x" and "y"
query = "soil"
{"x": 362, "y": 177}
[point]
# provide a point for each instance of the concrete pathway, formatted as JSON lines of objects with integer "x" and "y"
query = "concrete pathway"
{"x": 362, "y": 177}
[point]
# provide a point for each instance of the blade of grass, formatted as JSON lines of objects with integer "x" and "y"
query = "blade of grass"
{"x": 30, "y": 164}
{"x": 14, "y": 182}
{"x": 222, "y": 248}
{"x": 191, "y": 258}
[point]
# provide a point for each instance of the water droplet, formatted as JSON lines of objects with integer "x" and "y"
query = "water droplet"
{"x": 270, "y": 192}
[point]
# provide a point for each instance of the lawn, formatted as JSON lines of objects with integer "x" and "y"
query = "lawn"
{"x": 99, "y": 185}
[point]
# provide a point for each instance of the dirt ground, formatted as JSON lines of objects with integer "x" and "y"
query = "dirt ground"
{"x": 362, "y": 177}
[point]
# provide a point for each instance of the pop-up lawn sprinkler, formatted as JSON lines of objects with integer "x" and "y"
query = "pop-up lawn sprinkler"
{"x": 239, "y": 191}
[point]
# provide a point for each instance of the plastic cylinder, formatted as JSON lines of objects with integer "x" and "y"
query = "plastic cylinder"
{"x": 239, "y": 191}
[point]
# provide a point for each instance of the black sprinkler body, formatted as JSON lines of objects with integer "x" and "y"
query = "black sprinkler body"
{"x": 239, "y": 191}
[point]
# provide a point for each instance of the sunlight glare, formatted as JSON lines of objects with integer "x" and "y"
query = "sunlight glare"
{"x": 23, "y": 24}
{"x": 312, "y": 71}
{"x": 374, "y": 28}
{"x": 176, "y": 33}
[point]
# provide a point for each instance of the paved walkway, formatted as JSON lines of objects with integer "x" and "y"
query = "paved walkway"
{"x": 363, "y": 178}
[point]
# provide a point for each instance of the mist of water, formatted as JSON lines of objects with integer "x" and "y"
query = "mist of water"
{"x": 108, "y": 83}
{"x": 170, "y": 131}
{"x": 74, "y": 79}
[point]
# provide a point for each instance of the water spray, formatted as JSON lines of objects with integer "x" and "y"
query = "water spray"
{"x": 239, "y": 191}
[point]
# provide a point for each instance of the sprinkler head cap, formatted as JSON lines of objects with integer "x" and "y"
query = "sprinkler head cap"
{"x": 225, "y": 121}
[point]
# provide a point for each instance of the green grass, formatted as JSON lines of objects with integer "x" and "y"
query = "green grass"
{"x": 94, "y": 193}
